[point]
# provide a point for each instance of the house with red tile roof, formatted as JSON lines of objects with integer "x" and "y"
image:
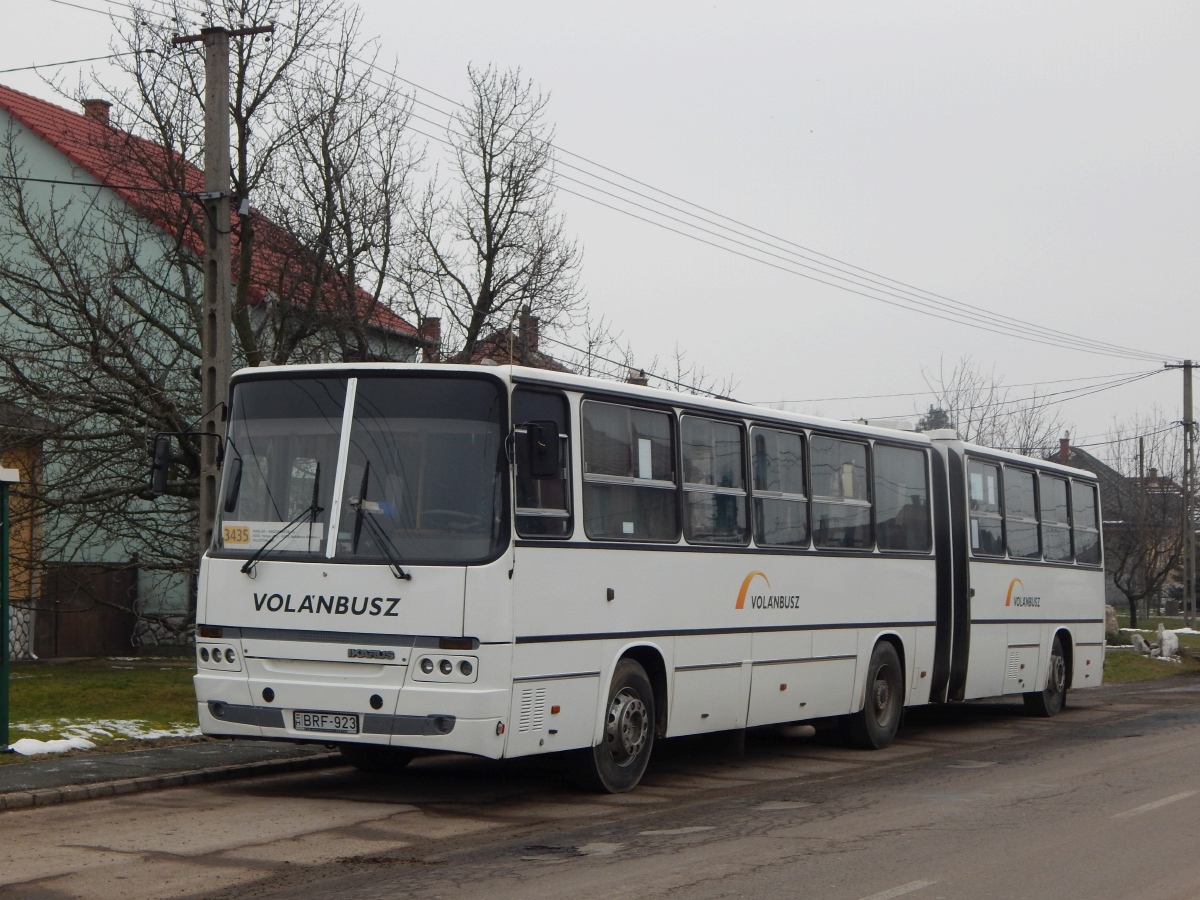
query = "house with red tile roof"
{"x": 128, "y": 225}
{"x": 160, "y": 186}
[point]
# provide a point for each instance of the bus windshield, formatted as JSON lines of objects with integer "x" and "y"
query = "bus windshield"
{"x": 420, "y": 482}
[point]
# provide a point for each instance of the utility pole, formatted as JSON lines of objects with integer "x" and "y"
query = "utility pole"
{"x": 216, "y": 346}
{"x": 1189, "y": 487}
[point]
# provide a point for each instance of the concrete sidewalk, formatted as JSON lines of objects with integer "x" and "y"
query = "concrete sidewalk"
{"x": 41, "y": 782}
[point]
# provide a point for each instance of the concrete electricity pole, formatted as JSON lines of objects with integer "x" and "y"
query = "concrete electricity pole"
{"x": 1189, "y": 488}
{"x": 216, "y": 348}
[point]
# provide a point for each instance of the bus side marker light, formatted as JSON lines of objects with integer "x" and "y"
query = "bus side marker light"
{"x": 922, "y": 674}
{"x": 783, "y": 687}
{"x": 499, "y": 728}
{"x": 610, "y": 594}
{"x": 554, "y": 710}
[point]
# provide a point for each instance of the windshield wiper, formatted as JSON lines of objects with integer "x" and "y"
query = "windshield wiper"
{"x": 310, "y": 512}
{"x": 381, "y": 536}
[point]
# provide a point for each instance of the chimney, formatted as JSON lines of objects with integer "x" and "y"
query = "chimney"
{"x": 639, "y": 377}
{"x": 1064, "y": 448}
{"x": 528, "y": 330}
{"x": 431, "y": 334}
{"x": 96, "y": 110}
{"x": 1152, "y": 476}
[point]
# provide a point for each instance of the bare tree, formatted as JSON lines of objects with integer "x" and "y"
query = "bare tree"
{"x": 489, "y": 243}
{"x": 1144, "y": 535}
{"x": 979, "y": 407}
{"x": 100, "y": 290}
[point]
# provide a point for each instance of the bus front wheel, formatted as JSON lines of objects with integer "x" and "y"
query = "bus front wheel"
{"x": 1050, "y": 701}
{"x": 616, "y": 763}
{"x": 875, "y": 725}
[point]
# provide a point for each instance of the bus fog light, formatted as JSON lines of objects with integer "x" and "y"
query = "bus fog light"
{"x": 427, "y": 666}
{"x": 204, "y": 653}
{"x": 446, "y": 667}
{"x": 229, "y": 655}
{"x": 466, "y": 668}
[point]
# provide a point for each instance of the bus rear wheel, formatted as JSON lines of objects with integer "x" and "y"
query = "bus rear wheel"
{"x": 1050, "y": 702}
{"x": 375, "y": 759}
{"x": 617, "y": 762}
{"x": 875, "y": 725}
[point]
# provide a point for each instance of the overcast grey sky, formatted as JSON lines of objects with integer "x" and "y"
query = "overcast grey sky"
{"x": 1035, "y": 159}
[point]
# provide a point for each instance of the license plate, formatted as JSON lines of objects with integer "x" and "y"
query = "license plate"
{"x": 336, "y": 723}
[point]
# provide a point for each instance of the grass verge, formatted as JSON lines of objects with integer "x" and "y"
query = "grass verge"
{"x": 1123, "y": 666}
{"x": 119, "y": 704}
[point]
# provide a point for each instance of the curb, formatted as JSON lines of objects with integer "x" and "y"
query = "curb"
{"x": 74, "y": 792}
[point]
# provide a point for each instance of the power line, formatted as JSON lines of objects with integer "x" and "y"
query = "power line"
{"x": 932, "y": 392}
{"x": 959, "y": 312}
{"x": 111, "y": 187}
{"x": 953, "y": 316}
{"x": 1038, "y": 400}
{"x": 71, "y": 62}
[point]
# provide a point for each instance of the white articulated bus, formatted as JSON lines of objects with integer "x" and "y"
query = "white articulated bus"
{"x": 506, "y": 561}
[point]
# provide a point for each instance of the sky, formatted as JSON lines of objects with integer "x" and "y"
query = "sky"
{"x": 1039, "y": 161}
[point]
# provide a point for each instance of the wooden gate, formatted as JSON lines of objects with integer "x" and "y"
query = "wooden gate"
{"x": 86, "y": 610}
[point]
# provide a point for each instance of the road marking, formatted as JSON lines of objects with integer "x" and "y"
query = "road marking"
{"x": 1157, "y": 804}
{"x": 693, "y": 829}
{"x": 900, "y": 891}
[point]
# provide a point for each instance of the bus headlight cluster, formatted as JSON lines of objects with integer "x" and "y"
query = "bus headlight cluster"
{"x": 218, "y": 656}
{"x": 454, "y": 669}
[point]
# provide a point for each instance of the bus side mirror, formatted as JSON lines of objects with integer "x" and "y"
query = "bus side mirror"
{"x": 234, "y": 484}
{"x": 162, "y": 462}
{"x": 545, "y": 457}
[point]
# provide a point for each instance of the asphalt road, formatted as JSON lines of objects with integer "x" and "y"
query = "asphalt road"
{"x": 971, "y": 802}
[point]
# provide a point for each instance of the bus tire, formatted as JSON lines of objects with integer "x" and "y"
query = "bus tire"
{"x": 875, "y": 725}
{"x": 376, "y": 759}
{"x": 1050, "y": 702}
{"x": 616, "y": 763}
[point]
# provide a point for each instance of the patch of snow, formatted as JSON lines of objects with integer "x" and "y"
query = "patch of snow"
{"x": 33, "y": 747}
{"x": 1185, "y": 631}
{"x": 115, "y": 729}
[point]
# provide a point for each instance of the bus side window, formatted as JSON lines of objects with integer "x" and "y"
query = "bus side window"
{"x": 841, "y": 496}
{"x": 629, "y": 484}
{"x": 983, "y": 502}
{"x": 1021, "y": 514}
{"x": 780, "y": 494}
{"x": 543, "y": 504}
{"x": 1056, "y": 518}
{"x": 1087, "y": 528}
{"x": 901, "y": 499}
{"x": 714, "y": 482}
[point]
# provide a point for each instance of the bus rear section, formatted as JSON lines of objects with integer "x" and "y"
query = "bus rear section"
{"x": 358, "y": 509}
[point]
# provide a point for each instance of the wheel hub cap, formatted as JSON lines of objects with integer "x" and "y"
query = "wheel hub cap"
{"x": 628, "y": 727}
